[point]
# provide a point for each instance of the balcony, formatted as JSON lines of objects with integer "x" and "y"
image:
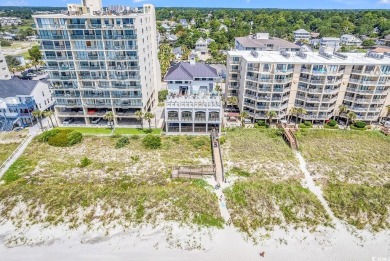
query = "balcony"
{"x": 53, "y": 37}
{"x": 127, "y": 68}
{"x": 94, "y": 68}
{"x": 351, "y": 89}
{"x": 317, "y": 81}
{"x": 264, "y": 89}
{"x": 76, "y": 26}
{"x": 173, "y": 119}
{"x": 122, "y": 57}
{"x": 282, "y": 80}
{"x": 119, "y": 37}
{"x": 121, "y": 47}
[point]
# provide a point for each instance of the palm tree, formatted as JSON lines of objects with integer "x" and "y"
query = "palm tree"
{"x": 351, "y": 117}
{"x": 342, "y": 109}
{"x": 37, "y": 115}
{"x": 232, "y": 100}
{"x": 149, "y": 116}
{"x": 49, "y": 114}
{"x": 218, "y": 88}
{"x": 140, "y": 117}
{"x": 109, "y": 116}
{"x": 270, "y": 115}
{"x": 243, "y": 115}
{"x": 293, "y": 111}
{"x": 301, "y": 112}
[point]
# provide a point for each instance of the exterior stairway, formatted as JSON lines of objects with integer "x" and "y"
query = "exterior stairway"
{"x": 288, "y": 135}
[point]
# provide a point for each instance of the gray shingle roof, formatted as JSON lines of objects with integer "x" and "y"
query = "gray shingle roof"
{"x": 184, "y": 71}
{"x": 249, "y": 42}
{"x": 15, "y": 86}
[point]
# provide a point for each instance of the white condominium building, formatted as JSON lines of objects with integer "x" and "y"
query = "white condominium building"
{"x": 317, "y": 82}
{"x": 101, "y": 60}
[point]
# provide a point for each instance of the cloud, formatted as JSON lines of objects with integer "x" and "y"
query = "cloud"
{"x": 384, "y": 2}
{"x": 14, "y": 3}
{"x": 138, "y": 1}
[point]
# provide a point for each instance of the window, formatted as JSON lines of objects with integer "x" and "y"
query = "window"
{"x": 43, "y": 94}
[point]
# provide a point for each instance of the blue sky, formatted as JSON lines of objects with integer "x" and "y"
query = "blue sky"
{"x": 295, "y": 4}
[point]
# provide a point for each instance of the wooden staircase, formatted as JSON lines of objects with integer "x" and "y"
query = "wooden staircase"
{"x": 289, "y": 136}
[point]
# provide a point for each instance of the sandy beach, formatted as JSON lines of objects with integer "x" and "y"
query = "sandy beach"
{"x": 168, "y": 241}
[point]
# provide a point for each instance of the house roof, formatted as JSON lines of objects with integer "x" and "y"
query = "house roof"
{"x": 387, "y": 37}
{"x": 172, "y": 37}
{"x": 186, "y": 71}
{"x": 15, "y": 87}
{"x": 250, "y": 42}
{"x": 177, "y": 50}
{"x": 301, "y": 31}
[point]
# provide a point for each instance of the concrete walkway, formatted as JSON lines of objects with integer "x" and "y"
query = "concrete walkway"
{"x": 33, "y": 131}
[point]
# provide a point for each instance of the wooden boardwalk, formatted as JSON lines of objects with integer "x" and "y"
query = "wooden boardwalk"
{"x": 193, "y": 172}
{"x": 217, "y": 157}
{"x": 289, "y": 136}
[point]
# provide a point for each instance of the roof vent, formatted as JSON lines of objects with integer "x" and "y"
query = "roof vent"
{"x": 325, "y": 55}
{"x": 254, "y": 54}
{"x": 341, "y": 56}
{"x": 285, "y": 54}
{"x": 301, "y": 54}
{"x": 375, "y": 55}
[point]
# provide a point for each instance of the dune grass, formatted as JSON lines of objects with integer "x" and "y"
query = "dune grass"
{"x": 128, "y": 186}
{"x": 268, "y": 191}
{"x": 89, "y": 131}
{"x": 9, "y": 141}
{"x": 260, "y": 203}
{"x": 353, "y": 168}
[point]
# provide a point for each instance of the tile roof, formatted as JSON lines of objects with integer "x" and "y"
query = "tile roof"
{"x": 15, "y": 86}
{"x": 187, "y": 72}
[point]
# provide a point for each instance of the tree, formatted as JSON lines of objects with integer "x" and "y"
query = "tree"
{"x": 37, "y": 115}
{"x": 351, "y": 117}
{"x": 243, "y": 115}
{"x": 342, "y": 109}
{"x": 218, "y": 88}
{"x": 270, "y": 115}
{"x": 368, "y": 43}
{"x": 293, "y": 111}
{"x": 109, "y": 116}
{"x": 140, "y": 117}
{"x": 232, "y": 100}
{"x": 12, "y": 63}
{"x": 149, "y": 116}
{"x": 35, "y": 55}
{"x": 49, "y": 113}
{"x": 162, "y": 95}
{"x": 301, "y": 112}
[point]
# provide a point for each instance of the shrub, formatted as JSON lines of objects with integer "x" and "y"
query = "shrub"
{"x": 261, "y": 123}
{"x": 240, "y": 172}
{"x": 176, "y": 139}
{"x": 222, "y": 140}
{"x": 116, "y": 136}
{"x": 332, "y": 123}
{"x": 308, "y": 124}
{"x": 44, "y": 137}
{"x": 360, "y": 124}
{"x": 61, "y": 138}
{"x": 151, "y": 142}
{"x": 198, "y": 142}
{"x": 134, "y": 137}
{"x": 122, "y": 141}
{"x": 74, "y": 137}
{"x": 162, "y": 95}
{"x": 85, "y": 162}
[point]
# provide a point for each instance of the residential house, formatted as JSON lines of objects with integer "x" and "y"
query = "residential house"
{"x": 18, "y": 98}
{"x": 184, "y": 23}
{"x": 330, "y": 42}
{"x": 223, "y": 27}
{"x": 350, "y": 40}
{"x": 178, "y": 52}
{"x": 202, "y": 45}
{"x": 301, "y": 35}
{"x": 172, "y": 39}
{"x": 166, "y": 27}
{"x": 193, "y": 105}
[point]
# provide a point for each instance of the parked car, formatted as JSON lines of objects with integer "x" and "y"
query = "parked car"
{"x": 68, "y": 121}
{"x": 31, "y": 75}
{"x": 96, "y": 120}
{"x": 24, "y": 77}
{"x": 18, "y": 128}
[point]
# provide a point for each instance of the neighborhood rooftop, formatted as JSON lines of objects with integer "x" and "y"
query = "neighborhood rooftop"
{"x": 14, "y": 87}
{"x": 187, "y": 71}
{"x": 316, "y": 58}
{"x": 250, "y": 42}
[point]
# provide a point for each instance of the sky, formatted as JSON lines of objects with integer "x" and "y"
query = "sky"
{"x": 287, "y": 4}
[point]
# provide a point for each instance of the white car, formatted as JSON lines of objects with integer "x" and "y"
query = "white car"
{"x": 68, "y": 121}
{"x": 96, "y": 120}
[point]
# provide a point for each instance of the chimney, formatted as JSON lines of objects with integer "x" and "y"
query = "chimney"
{"x": 192, "y": 59}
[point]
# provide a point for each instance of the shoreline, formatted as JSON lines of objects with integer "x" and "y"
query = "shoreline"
{"x": 168, "y": 241}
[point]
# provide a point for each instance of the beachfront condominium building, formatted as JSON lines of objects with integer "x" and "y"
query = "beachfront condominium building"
{"x": 193, "y": 104}
{"x": 4, "y": 72}
{"x": 316, "y": 82}
{"x": 100, "y": 60}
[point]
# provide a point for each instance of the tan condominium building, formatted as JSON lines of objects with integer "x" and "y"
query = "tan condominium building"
{"x": 100, "y": 60}
{"x": 318, "y": 82}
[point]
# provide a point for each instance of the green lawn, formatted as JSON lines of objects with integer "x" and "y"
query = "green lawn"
{"x": 89, "y": 131}
{"x": 136, "y": 131}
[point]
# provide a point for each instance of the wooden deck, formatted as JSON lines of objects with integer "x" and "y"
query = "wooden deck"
{"x": 193, "y": 172}
{"x": 289, "y": 136}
